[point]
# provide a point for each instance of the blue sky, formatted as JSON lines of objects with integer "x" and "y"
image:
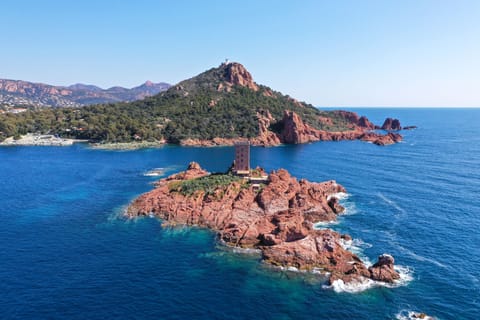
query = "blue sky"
{"x": 328, "y": 53}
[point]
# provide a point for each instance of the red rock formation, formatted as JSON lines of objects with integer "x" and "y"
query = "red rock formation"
{"x": 278, "y": 220}
{"x": 295, "y": 131}
{"x": 236, "y": 74}
{"x": 265, "y": 136}
{"x": 391, "y": 125}
{"x": 354, "y": 119}
{"x": 193, "y": 171}
{"x": 383, "y": 269}
{"x": 381, "y": 140}
{"x": 319, "y": 249}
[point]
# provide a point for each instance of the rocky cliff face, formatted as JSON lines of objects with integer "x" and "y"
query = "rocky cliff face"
{"x": 391, "y": 125}
{"x": 295, "y": 131}
{"x": 356, "y": 120}
{"x": 15, "y": 92}
{"x": 277, "y": 219}
{"x": 236, "y": 74}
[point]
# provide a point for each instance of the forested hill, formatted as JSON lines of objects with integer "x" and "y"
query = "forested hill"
{"x": 221, "y": 102}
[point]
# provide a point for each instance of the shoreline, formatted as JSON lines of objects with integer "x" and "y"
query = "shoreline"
{"x": 125, "y": 146}
{"x": 46, "y": 140}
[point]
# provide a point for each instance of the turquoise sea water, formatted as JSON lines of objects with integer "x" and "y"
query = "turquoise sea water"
{"x": 66, "y": 252}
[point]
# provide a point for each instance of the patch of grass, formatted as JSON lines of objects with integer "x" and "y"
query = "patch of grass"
{"x": 209, "y": 184}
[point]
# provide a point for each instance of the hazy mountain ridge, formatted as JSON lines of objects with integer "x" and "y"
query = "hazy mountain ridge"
{"x": 25, "y": 93}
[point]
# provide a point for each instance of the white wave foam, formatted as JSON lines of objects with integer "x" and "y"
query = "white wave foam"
{"x": 356, "y": 246}
{"x": 343, "y": 197}
{"x": 339, "y": 195}
{"x": 250, "y": 251}
{"x": 320, "y": 271}
{"x": 391, "y": 203}
{"x": 412, "y": 315}
{"x": 156, "y": 172}
{"x": 324, "y": 224}
{"x": 289, "y": 268}
{"x": 365, "y": 283}
{"x": 350, "y": 208}
{"x": 240, "y": 250}
{"x": 352, "y": 287}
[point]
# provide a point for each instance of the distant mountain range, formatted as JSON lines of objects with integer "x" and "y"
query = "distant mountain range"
{"x": 24, "y": 93}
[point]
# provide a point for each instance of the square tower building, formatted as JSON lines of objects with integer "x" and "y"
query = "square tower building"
{"x": 242, "y": 157}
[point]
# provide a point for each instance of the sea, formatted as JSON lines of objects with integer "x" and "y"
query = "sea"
{"x": 67, "y": 251}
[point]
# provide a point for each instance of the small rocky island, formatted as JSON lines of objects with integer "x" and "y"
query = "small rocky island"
{"x": 274, "y": 213}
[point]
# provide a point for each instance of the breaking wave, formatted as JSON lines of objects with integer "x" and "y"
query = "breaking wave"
{"x": 324, "y": 224}
{"x": 343, "y": 199}
{"x": 412, "y": 315}
{"x": 156, "y": 172}
{"x": 339, "y": 196}
{"x": 356, "y": 246}
{"x": 406, "y": 275}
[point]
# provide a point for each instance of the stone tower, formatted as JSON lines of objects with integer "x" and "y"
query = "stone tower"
{"x": 242, "y": 158}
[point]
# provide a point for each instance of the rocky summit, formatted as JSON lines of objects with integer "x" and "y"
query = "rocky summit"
{"x": 274, "y": 213}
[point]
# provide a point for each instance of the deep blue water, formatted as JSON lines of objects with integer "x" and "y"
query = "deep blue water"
{"x": 66, "y": 252}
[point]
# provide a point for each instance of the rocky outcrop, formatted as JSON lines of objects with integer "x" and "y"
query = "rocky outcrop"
{"x": 354, "y": 119}
{"x": 276, "y": 218}
{"x": 381, "y": 139}
{"x": 383, "y": 270}
{"x": 295, "y": 131}
{"x": 237, "y": 74}
{"x": 265, "y": 136}
{"x": 391, "y": 125}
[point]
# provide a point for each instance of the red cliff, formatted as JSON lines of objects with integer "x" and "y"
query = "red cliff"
{"x": 296, "y": 131}
{"x": 392, "y": 125}
{"x": 236, "y": 74}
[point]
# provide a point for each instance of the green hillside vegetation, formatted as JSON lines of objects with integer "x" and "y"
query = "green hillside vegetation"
{"x": 208, "y": 184}
{"x": 194, "y": 108}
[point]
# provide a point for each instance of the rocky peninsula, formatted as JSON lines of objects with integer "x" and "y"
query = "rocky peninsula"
{"x": 274, "y": 213}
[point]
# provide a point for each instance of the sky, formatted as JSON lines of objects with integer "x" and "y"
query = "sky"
{"x": 404, "y": 53}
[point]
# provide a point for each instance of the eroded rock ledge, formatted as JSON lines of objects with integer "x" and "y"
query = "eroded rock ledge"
{"x": 274, "y": 213}
{"x": 293, "y": 130}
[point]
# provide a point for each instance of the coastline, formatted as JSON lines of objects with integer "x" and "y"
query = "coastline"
{"x": 125, "y": 146}
{"x": 31, "y": 139}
